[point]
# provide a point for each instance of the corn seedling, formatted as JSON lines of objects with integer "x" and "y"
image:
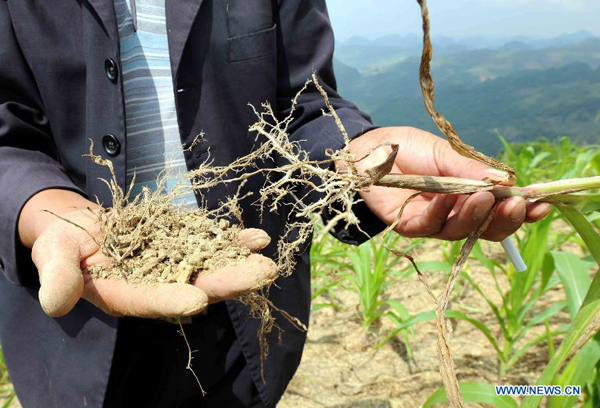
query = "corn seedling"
{"x": 404, "y": 321}
{"x": 586, "y": 322}
{"x": 6, "y": 391}
{"x": 371, "y": 269}
{"x": 328, "y": 260}
{"x": 582, "y": 371}
{"x": 3, "y": 371}
{"x": 539, "y": 246}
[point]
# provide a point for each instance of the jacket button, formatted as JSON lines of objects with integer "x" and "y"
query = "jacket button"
{"x": 1, "y": 265}
{"x": 112, "y": 71}
{"x": 111, "y": 145}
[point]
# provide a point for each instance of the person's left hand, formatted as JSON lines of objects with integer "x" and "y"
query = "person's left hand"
{"x": 448, "y": 217}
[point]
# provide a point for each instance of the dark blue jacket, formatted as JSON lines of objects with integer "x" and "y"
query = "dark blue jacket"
{"x": 60, "y": 87}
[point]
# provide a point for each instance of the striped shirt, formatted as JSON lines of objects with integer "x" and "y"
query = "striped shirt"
{"x": 153, "y": 140}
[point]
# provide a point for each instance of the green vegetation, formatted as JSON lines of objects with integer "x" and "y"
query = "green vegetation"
{"x": 6, "y": 391}
{"x": 371, "y": 266}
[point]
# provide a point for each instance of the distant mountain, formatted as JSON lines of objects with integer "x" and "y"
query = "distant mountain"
{"x": 371, "y": 56}
{"x": 357, "y": 40}
{"x": 346, "y": 73}
{"x": 522, "y": 93}
{"x": 535, "y": 42}
{"x": 573, "y": 38}
{"x": 516, "y": 46}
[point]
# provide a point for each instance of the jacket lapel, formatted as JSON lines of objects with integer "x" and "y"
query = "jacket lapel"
{"x": 105, "y": 9}
{"x": 180, "y": 18}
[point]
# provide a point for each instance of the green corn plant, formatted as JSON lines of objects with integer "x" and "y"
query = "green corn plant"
{"x": 514, "y": 323}
{"x": 514, "y": 314}
{"x": 9, "y": 400}
{"x": 513, "y": 317}
{"x": 582, "y": 371}
{"x": 568, "y": 159}
{"x": 328, "y": 258}
{"x": 371, "y": 267}
{"x": 547, "y": 268}
{"x": 587, "y": 320}
{"x": 573, "y": 273}
{"x": 581, "y": 294}
{"x": 397, "y": 313}
{"x": 476, "y": 392}
{"x": 6, "y": 390}
{"x": 583, "y": 302}
{"x": 3, "y": 371}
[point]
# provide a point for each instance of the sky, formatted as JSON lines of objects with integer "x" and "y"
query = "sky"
{"x": 465, "y": 18}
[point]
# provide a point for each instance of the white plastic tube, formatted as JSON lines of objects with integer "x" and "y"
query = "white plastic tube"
{"x": 513, "y": 254}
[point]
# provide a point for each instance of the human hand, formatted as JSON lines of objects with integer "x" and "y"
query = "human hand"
{"x": 448, "y": 217}
{"x": 63, "y": 252}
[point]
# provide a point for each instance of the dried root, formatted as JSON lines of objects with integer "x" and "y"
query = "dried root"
{"x": 336, "y": 192}
{"x": 152, "y": 241}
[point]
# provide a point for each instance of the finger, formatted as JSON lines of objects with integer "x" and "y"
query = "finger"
{"x": 57, "y": 259}
{"x": 96, "y": 259}
{"x": 451, "y": 163}
{"x": 509, "y": 217}
{"x": 232, "y": 281}
{"x": 537, "y": 211}
{"x": 253, "y": 238}
{"x": 119, "y": 298}
{"x": 469, "y": 217}
{"x": 431, "y": 220}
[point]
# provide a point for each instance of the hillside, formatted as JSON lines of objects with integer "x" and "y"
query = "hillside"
{"x": 516, "y": 90}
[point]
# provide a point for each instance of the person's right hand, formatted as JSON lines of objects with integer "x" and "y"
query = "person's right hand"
{"x": 63, "y": 252}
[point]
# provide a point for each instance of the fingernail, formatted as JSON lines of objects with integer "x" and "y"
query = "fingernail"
{"x": 483, "y": 206}
{"x": 253, "y": 239}
{"x": 517, "y": 210}
{"x": 498, "y": 175}
{"x": 542, "y": 210}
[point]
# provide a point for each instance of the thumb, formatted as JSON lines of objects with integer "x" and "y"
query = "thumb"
{"x": 453, "y": 164}
{"x": 57, "y": 259}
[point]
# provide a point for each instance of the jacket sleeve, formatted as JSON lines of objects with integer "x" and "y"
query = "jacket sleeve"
{"x": 28, "y": 159}
{"x": 305, "y": 44}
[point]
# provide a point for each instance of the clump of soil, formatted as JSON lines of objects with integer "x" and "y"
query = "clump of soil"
{"x": 172, "y": 245}
{"x": 151, "y": 240}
